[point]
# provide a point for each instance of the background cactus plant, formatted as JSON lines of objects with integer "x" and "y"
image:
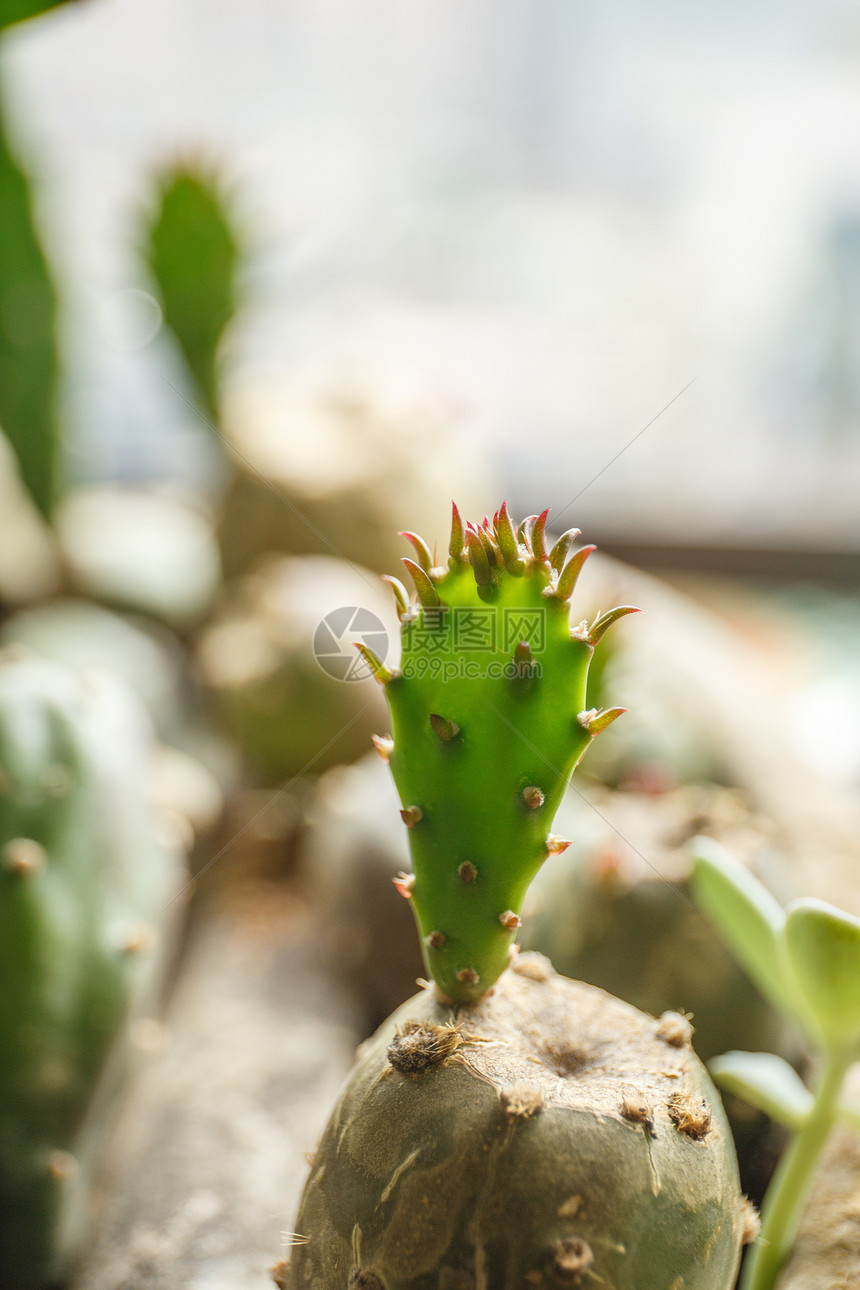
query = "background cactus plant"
{"x": 29, "y": 360}
{"x": 194, "y": 252}
{"x": 286, "y": 710}
{"x": 85, "y": 879}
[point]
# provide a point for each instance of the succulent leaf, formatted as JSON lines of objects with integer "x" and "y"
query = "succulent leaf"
{"x": 750, "y": 920}
{"x": 766, "y": 1082}
{"x": 823, "y": 945}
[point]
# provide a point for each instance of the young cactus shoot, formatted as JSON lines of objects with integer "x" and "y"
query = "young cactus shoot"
{"x": 806, "y": 961}
{"x": 488, "y": 722}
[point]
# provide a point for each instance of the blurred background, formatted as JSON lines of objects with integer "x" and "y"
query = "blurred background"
{"x": 278, "y": 280}
{"x": 551, "y": 216}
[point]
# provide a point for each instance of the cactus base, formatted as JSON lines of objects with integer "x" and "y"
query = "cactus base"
{"x": 548, "y": 1135}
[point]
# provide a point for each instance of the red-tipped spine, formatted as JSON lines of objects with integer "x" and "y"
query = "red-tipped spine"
{"x": 422, "y": 550}
{"x": 507, "y": 536}
{"x": 374, "y": 662}
{"x": 605, "y": 621}
{"x": 427, "y": 593}
{"x": 538, "y": 538}
{"x": 457, "y": 543}
{"x": 401, "y": 595}
{"x": 478, "y": 558}
{"x": 596, "y": 720}
{"x": 567, "y": 579}
{"x": 558, "y": 554}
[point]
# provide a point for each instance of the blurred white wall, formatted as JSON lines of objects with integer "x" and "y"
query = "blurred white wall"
{"x": 556, "y": 213}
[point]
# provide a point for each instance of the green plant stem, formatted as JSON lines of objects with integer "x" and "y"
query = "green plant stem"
{"x": 790, "y": 1186}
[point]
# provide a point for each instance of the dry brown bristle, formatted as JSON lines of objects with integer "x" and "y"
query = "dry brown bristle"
{"x": 751, "y": 1222}
{"x": 536, "y": 967}
{"x": 419, "y": 1045}
{"x": 571, "y": 1260}
{"x": 364, "y": 1279}
{"x": 279, "y": 1273}
{"x": 521, "y": 1101}
{"x": 467, "y": 872}
{"x": 468, "y": 976}
{"x": 674, "y": 1028}
{"x": 635, "y": 1109}
{"x": 690, "y": 1115}
{"x": 435, "y": 940}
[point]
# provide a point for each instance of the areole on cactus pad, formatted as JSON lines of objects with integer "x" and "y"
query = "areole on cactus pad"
{"x": 488, "y": 721}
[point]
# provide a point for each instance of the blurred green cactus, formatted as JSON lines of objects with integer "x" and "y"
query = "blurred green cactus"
{"x": 29, "y": 362}
{"x": 193, "y": 250}
{"x": 85, "y": 877}
{"x": 12, "y": 11}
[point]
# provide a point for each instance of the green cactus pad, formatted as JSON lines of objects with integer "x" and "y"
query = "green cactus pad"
{"x": 488, "y": 719}
{"x": 547, "y": 1136}
{"x": 29, "y": 361}
{"x": 194, "y": 252}
{"x": 85, "y": 882}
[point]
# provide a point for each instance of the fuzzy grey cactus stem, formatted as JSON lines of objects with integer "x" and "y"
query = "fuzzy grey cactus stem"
{"x": 488, "y": 721}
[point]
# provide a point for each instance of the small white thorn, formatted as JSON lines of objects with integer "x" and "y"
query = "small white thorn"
{"x": 404, "y": 882}
{"x": 384, "y": 745}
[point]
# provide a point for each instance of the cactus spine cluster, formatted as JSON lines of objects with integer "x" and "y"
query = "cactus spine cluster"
{"x": 488, "y": 722}
{"x": 84, "y": 881}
